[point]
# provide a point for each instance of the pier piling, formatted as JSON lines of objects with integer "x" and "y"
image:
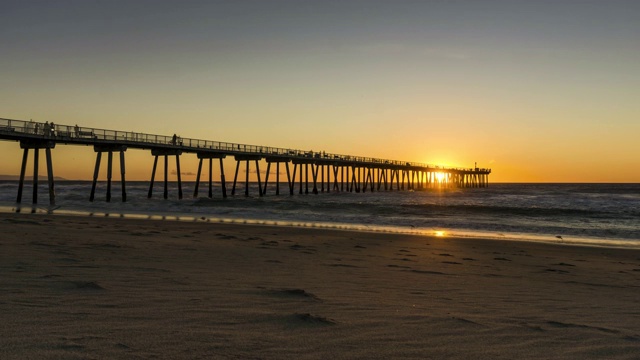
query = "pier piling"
{"x": 165, "y": 153}
{"x": 109, "y": 149}
{"x": 36, "y": 145}
{"x": 23, "y": 169}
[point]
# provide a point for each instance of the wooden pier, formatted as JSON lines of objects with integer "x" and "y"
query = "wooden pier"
{"x": 317, "y": 172}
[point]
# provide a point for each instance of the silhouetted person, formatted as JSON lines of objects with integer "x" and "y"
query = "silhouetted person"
{"x": 173, "y": 140}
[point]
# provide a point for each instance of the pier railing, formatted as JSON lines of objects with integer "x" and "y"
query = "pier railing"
{"x": 13, "y": 129}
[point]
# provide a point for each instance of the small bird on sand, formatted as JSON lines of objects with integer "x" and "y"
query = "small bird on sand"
{"x": 559, "y": 237}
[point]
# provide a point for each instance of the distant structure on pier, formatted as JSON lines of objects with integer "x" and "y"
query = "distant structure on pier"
{"x": 329, "y": 172}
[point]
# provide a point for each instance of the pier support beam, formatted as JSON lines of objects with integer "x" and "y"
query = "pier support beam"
{"x": 109, "y": 173}
{"x": 210, "y": 156}
{"x": 153, "y": 175}
{"x": 301, "y": 171}
{"x": 23, "y": 169}
{"x": 222, "y": 180}
{"x": 166, "y": 153}
{"x": 368, "y": 181}
{"x": 26, "y": 145}
{"x": 291, "y": 180}
{"x": 122, "y": 177}
{"x": 247, "y": 159}
{"x": 336, "y": 182}
{"x": 355, "y": 179}
{"x": 96, "y": 172}
{"x": 304, "y": 178}
{"x": 314, "y": 174}
{"x": 99, "y": 149}
{"x": 277, "y": 161}
{"x": 36, "y": 154}
{"x": 166, "y": 176}
{"x": 179, "y": 177}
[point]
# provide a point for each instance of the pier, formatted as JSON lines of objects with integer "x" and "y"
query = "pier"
{"x": 316, "y": 172}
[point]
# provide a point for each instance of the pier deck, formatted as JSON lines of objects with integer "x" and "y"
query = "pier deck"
{"x": 356, "y": 172}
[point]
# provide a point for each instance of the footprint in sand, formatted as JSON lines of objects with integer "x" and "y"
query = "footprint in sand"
{"x": 343, "y": 265}
{"x": 398, "y": 266}
{"x": 563, "y": 264}
{"x": 305, "y": 249}
{"x": 225, "y": 236}
{"x": 428, "y": 272}
{"x": 310, "y": 319}
{"x": 294, "y": 293}
{"x": 270, "y": 243}
{"x": 86, "y": 285}
{"x": 69, "y": 345}
{"x": 20, "y": 221}
{"x": 50, "y": 276}
{"x": 466, "y": 321}
{"x": 557, "y": 271}
{"x": 559, "y": 324}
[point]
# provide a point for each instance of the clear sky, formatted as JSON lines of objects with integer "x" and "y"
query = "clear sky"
{"x": 544, "y": 90}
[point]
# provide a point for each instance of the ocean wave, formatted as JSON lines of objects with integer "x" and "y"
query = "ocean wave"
{"x": 574, "y": 210}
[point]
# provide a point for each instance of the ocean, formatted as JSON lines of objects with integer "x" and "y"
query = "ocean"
{"x": 595, "y": 214}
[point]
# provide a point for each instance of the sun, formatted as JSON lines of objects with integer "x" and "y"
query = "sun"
{"x": 440, "y": 176}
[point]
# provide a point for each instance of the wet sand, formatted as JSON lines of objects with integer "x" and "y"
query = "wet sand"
{"x": 84, "y": 288}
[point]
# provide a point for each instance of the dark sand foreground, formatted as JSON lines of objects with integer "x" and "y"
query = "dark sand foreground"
{"x": 84, "y": 288}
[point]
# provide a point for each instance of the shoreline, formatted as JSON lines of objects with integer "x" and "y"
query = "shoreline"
{"x": 83, "y": 287}
{"x": 448, "y": 233}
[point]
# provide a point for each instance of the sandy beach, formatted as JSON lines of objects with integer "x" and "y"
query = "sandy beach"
{"x": 86, "y": 287}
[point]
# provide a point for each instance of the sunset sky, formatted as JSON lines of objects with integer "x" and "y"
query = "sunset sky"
{"x": 539, "y": 91}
